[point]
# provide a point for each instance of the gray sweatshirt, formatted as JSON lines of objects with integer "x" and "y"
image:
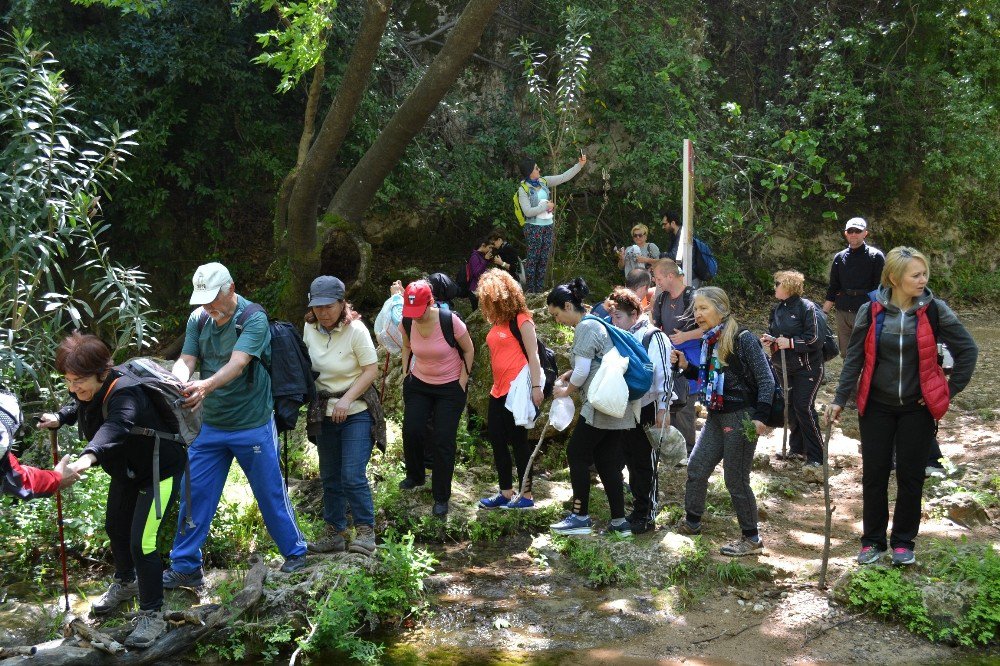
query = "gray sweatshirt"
{"x": 896, "y": 380}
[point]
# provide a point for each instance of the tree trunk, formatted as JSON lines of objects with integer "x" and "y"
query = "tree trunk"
{"x": 358, "y": 190}
{"x": 299, "y": 209}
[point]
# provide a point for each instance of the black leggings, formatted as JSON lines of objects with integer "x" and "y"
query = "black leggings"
{"x": 132, "y": 527}
{"x": 504, "y": 435}
{"x": 445, "y": 402}
{"x": 642, "y": 460}
{"x": 603, "y": 448}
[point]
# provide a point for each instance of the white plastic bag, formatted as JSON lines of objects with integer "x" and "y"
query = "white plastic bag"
{"x": 608, "y": 392}
{"x": 519, "y": 400}
{"x": 387, "y": 324}
{"x": 561, "y": 412}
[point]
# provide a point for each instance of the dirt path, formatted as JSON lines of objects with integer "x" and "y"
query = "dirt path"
{"x": 496, "y": 604}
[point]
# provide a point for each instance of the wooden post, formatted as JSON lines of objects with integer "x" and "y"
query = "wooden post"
{"x": 685, "y": 248}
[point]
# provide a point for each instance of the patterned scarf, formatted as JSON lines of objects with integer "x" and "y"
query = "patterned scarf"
{"x": 537, "y": 183}
{"x": 711, "y": 379}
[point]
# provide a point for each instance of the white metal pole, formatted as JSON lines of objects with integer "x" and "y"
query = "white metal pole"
{"x": 685, "y": 248}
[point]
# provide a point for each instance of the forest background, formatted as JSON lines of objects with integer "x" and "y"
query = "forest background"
{"x": 803, "y": 114}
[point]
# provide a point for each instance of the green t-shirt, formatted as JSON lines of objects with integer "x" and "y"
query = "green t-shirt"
{"x": 237, "y": 405}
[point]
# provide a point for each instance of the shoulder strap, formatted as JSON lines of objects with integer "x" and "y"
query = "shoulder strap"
{"x": 516, "y": 332}
{"x": 202, "y": 320}
{"x": 448, "y": 331}
{"x": 648, "y": 336}
{"x": 104, "y": 403}
{"x": 250, "y": 310}
{"x": 658, "y": 308}
{"x": 408, "y": 325}
{"x": 687, "y": 295}
{"x": 934, "y": 317}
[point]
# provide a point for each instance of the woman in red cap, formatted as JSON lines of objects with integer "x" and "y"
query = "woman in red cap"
{"x": 437, "y": 359}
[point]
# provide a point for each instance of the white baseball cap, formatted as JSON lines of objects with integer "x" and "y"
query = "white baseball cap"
{"x": 208, "y": 280}
{"x": 856, "y": 223}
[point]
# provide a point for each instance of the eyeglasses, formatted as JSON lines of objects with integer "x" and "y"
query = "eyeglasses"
{"x": 638, "y": 235}
{"x": 74, "y": 383}
{"x": 777, "y": 284}
{"x": 855, "y": 231}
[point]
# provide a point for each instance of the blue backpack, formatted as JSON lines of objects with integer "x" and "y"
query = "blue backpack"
{"x": 639, "y": 374}
{"x": 705, "y": 265}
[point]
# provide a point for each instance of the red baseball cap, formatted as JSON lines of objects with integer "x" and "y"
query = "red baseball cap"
{"x": 416, "y": 297}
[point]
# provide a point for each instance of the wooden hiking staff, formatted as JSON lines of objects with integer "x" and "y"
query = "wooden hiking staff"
{"x": 784, "y": 388}
{"x": 828, "y": 526}
{"x": 531, "y": 460}
{"x": 54, "y": 441}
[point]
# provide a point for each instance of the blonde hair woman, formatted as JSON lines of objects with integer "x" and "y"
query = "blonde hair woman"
{"x": 737, "y": 385}
{"x": 902, "y": 391}
{"x": 793, "y": 339}
{"x": 502, "y": 303}
{"x": 641, "y": 254}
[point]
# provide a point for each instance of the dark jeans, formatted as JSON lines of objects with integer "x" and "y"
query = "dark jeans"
{"x": 911, "y": 427}
{"x": 803, "y": 422}
{"x": 603, "y": 448}
{"x": 641, "y": 460}
{"x": 446, "y": 402}
{"x": 344, "y": 451}
{"x": 504, "y": 436}
{"x": 132, "y": 527}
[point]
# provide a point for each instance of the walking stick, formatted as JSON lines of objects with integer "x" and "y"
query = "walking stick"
{"x": 784, "y": 388}
{"x": 53, "y": 439}
{"x": 828, "y": 527}
{"x": 531, "y": 460}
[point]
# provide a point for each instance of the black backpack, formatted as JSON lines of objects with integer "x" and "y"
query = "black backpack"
{"x": 546, "y": 358}
{"x": 292, "y": 381}
{"x": 830, "y": 347}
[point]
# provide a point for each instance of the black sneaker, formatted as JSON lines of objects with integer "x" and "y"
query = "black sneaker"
{"x": 173, "y": 579}
{"x": 409, "y": 484}
{"x": 642, "y": 525}
{"x": 440, "y": 509}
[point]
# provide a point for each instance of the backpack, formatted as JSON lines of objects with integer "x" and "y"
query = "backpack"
{"x": 166, "y": 392}
{"x": 518, "y": 213}
{"x": 830, "y": 347}
{"x": 447, "y": 330}
{"x": 639, "y": 374}
{"x": 292, "y": 381}
{"x": 776, "y": 417}
{"x": 705, "y": 264}
{"x": 678, "y": 384}
{"x": 546, "y": 358}
{"x": 10, "y": 419}
{"x": 462, "y": 279}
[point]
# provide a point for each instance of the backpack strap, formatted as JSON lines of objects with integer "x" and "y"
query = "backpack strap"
{"x": 448, "y": 331}
{"x": 658, "y": 309}
{"x": 516, "y": 332}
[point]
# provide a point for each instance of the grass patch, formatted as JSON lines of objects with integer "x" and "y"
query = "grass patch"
{"x": 739, "y": 574}
{"x": 596, "y": 561}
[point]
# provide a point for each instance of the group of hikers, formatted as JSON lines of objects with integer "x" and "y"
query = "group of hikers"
{"x": 686, "y": 343}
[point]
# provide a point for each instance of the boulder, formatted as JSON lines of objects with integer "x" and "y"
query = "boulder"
{"x": 961, "y": 508}
{"x": 947, "y": 602}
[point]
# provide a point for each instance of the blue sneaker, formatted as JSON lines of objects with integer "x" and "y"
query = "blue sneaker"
{"x": 519, "y": 502}
{"x": 573, "y": 524}
{"x": 622, "y": 531}
{"x": 172, "y": 579}
{"x": 494, "y": 502}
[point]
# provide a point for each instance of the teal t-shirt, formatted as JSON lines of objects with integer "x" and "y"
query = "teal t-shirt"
{"x": 237, "y": 405}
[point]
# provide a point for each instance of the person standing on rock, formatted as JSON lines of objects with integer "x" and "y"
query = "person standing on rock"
{"x": 342, "y": 352}
{"x": 737, "y": 387}
{"x": 856, "y": 271}
{"x": 597, "y": 437}
{"x": 902, "y": 392}
{"x": 502, "y": 303}
{"x": 534, "y": 196}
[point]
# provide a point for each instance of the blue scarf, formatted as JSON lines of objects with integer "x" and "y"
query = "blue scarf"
{"x": 537, "y": 183}
{"x": 711, "y": 378}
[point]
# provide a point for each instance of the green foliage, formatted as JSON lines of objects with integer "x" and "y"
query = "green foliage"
{"x": 352, "y": 599}
{"x": 597, "y": 562}
{"x": 739, "y": 574}
{"x": 946, "y": 564}
{"x": 56, "y": 272}
{"x": 300, "y": 43}
{"x": 237, "y": 530}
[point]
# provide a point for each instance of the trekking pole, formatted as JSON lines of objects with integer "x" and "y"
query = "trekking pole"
{"x": 828, "y": 527}
{"x": 54, "y": 440}
{"x": 784, "y": 388}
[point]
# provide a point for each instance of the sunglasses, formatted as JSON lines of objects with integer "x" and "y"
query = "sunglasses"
{"x": 638, "y": 235}
{"x": 777, "y": 284}
{"x": 855, "y": 231}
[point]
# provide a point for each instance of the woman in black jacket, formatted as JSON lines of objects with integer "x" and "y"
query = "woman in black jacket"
{"x": 130, "y": 520}
{"x": 793, "y": 340}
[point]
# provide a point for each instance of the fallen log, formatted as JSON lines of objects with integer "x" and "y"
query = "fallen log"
{"x": 170, "y": 645}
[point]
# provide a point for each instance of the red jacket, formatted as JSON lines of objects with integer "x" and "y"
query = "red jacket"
{"x": 27, "y": 482}
{"x": 933, "y": 383}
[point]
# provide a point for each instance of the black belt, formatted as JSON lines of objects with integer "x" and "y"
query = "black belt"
{"x": 854, "y": 292}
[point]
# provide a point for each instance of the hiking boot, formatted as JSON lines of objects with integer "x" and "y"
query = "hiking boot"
{"x": 519, "y": 502}
{"x": 173, "y": 579}
{"x": 149, "y": 625}
{"x": 331, "y": 541}
{"x": 293, "y": 563}
{"x": 870, "y": 554}
{"x": 684, "y": 527}
{"x": 903, "y": 557}
{"x": 494, "y": 502}
{"x": 573, "y": 524}
{"x": 117, "y": 593}
{"x": 745, "y": 546}
{"x": 642, "y": 525}
{"x": 409, "y": 484}
{"x": 440, "y": 510}
{"x": 364, "y": 540}
{"x": 623, "y": 530}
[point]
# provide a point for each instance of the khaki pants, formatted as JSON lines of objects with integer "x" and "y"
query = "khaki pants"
{"x": 845, "y": 325}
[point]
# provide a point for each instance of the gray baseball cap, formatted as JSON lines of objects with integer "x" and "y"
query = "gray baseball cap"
{"x": 325, "y": 290}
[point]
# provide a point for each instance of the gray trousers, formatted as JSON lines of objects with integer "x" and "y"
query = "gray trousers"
{"x": 845, "y": 325}
{"x": 722, "y": 439}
